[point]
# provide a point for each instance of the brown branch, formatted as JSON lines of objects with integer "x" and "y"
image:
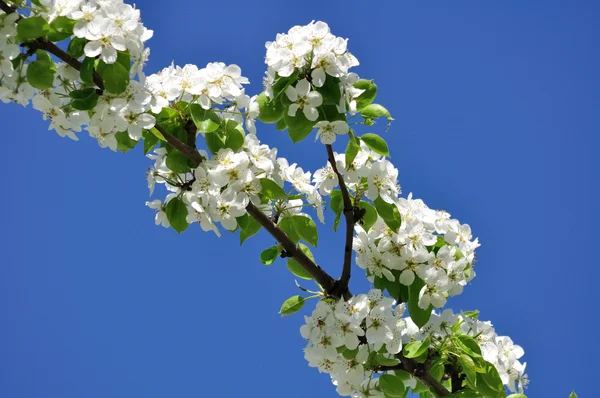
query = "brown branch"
{"x": 190, "y": 151}
{"x": 321, "y": 277}
{"x": 349, "y": 216}
{"x": 418, "y": 370}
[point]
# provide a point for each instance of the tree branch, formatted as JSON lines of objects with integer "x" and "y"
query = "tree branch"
{"x": 418, "y": 370}
{"x": 321, "y": 277}
{"x": 191, "y": 152}
{"x": 349, "y": 216}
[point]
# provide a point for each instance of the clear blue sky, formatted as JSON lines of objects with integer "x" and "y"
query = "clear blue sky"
{"x": 497, "y": 121}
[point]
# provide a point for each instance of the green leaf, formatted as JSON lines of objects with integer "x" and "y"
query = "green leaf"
{"x": 268, "y": 256}
{"x": 468, "y": 345}
{"x": 392, "y": 386}
{"x": 76, "y": 46}
{"x": 351, "y": 152}
{"x": 370, "y": 217}
{"x": 177, "y": 213}
{"x": 368, "y": 95}
{"x": 124, "y": 59}
{"x": 491, "y": 378}
{"x": 215, "y": 140}
{"x": 389, "y": 212}
{"x": 417, "y": 348}
{"x": 61, "y": 28}
{"x": 40, "y": 74}
{"x": 376, "y": 143}
{"x": 472, "y": 314}
{"x": 124, "y": 142}
{"x": 206, "y": 121}
{"x": 306, "y": 229}
{"x": 292, "y": 305}
{"x": 468, "y": 368}
{"x": 380, "y": 359}
{"x": 336, "y": 204}
{"x": 115, "y": 77}
{"x": 177, "y": 162}
{"x": 573, "y": 395}
{"x": 31, "y": 28}
{"x": 251, "y": 229}
{"x": 349, "y": 354}
{"x": 271, "y": 111}
{"x": 298, "y": 270}
{"x": 418, "y": 315}
{"x": 243, "y": 221}
{"x": 373, "y": 111}
{"x": 85, "y": 99}
{"x": 234, "y": 135}
{"x": 42, "y": 55}
{"x": 298, "y": 126}
{"x": 281, "y": 125}
{"x": 330, "y": 91}
{"x": 465, "y": 394}
{"x": 287, "y": 225}
{"x": 87, "y": 70}
{"x": 150, "y": 141}
{"x": 282, "y": 83}
{"x": 330, "y": 113}
{"x": 271, "y": 190}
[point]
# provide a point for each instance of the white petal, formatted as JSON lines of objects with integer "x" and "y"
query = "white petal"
{"x": 314, "y": 99}
{"x": 303, "y": 88}
{"x": 318, "y": 77}
{"x": 92, "y": 49}
{"x": 310, "y": 112}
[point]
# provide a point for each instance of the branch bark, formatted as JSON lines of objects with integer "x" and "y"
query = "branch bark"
{"x": 420, "y": 371}
{"x": 322, "y": 277}
{"x": 349, "y": 216}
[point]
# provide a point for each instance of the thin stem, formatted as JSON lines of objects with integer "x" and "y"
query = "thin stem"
{"x": 349, "y": 216}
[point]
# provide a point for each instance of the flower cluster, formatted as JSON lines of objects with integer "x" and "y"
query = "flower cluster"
{"x": 108, "y": 26}
{"x": 345, "y": 337}
{"x": 429, "y": 244}
{"x": 220, "y": 188}
{"x": 351, "y": 340}
{"x": 310, "y": 47}
{"x": 110, "y": 29}
{"x": 316, "y": 63}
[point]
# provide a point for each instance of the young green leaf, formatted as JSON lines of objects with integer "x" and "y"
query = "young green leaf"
{"x": 177, "y": 213}
{"x": 292, "y": 305}
{"x": 392, "y": 386}
{"x": 376, "y": 143}
{"x": 40, "y": 74}
{"x": 416, "y": 349}
{"x": 268, "y": 256}
{"x": 270, "y": 111}
{"x": 234, "y": 135}
{"x": 251, "y": 229}
{"x": 370, "y": 217}
{"x": 206, "y": 121}
{"x": 87, "y": 70}
{"x": 124, "y": 142}
{"x": 306, "y": 229}
{"x": 418, "y": 315}
{"x": 215, "y": 140}
{"x": 115, "y": 77}
{"x": 298, "y": 270}
{"x": 271, "y": 190}
{"x": 298, "y": 126}
{"x": 75, "y": 48}
{"x": 373, "y": 111}
{"x": 150, "y": 141}
{"x": 389, "y": 213}
{"x": 31, "y": 28}
{"x": 368, "y": 95}
{"x": 61, "y": 28}
{"x": 85, "y": 99}
{"x": 336, "y": 204}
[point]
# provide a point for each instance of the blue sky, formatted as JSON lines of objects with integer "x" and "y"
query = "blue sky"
{"x": 496, "y": 107}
